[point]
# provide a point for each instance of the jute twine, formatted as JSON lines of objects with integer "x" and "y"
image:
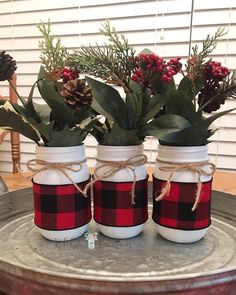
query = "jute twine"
{"x": 62, "y": 167}
{"x": 195, "y": 167}
{"x": 116, "y": 166}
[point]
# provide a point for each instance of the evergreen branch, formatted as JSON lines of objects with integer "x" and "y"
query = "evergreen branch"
{"x": 198, "y": 58}
{"x": 53, "y": 55}
{"x": 112, "y": 62}
{"x": 209, "y": 44}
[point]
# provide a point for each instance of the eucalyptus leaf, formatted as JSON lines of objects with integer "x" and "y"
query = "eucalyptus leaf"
{"x": 186, "y": 86}
{"x": 208, "y": 121}
{"x": 156, "y": 103}
{"x": 190, "y": 136}
{"x": 62, "y": 138}
{"x": 180, "y": 104}
{"x": 122, "y": 137}
{"x": 108, "y": 102}
{"x": 30, "y": 106}
{"x": 169, "y": 121}
{"x": 43, "y": 112}
{"x": 135, "y": 103}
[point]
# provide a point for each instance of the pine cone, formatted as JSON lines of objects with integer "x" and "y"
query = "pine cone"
{"x": 77, "y": 94}
{"x": 206, "y": 95}
{"x": 7, "y": 66}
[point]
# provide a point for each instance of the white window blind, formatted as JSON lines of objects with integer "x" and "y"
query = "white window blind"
{"x": 163, "y": 26}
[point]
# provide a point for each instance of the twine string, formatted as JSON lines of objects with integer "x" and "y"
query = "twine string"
{"x": 62, "y": 167}
{"x": 195, "y": 167}
{"x": 116, "y": 166}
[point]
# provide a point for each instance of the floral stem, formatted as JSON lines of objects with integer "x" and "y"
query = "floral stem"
{"x": 18, "y": 95}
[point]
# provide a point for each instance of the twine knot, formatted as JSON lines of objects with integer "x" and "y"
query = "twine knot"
{"x": 195, "y": 167}
{"x": 62, "y": 167}
{"x": 116, "y": 166}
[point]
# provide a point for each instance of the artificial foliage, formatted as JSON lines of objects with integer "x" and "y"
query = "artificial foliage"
{"x": 153, "y": 103}
{"x": 113, "y": 62}
{"x": 52, "y": 123}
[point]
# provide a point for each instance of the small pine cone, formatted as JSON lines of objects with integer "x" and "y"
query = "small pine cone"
{"x": 77, "y": 94}
{"x": 7, "y": 66}
{"x": 206, "y": 94}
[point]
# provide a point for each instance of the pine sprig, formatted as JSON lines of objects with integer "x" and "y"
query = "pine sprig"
{"x": 118, "y": 42}
{"x": 112, "y": 62}
{"x": 53, "y": 55}
{"x": 198, "y": 58}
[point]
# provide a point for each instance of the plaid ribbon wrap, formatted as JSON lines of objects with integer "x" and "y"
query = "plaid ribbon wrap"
{"x": 113, "y": 205}
{"x": 60, "y": 207}
{"x": 174, "y": 210}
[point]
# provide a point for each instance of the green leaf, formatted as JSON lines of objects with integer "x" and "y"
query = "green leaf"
{"x": 208, "y": 121}
{"x": 86, "y": 126}
{"x": 29, "y": 107}
{"x": 65, "y": 137}
{"x": 108, "y": 102}
{"x": 156, "y": 103}
{"x": 165, "y": 127}
{"x": 122, "y": 137}
{"x": 180, "y": 104}
{"x": 11, "y": 120}
{"x": 186, "y": 85}
{"x": 61, "y": 113}
{"x": 137, "y": 104}
{"x": 98, "y": 132}
{"x": 160, "y": 86}
{"x": 190, "y": 136}
{"x": 43, "y": 112}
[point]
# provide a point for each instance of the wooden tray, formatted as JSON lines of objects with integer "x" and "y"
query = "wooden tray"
{"x": 146, "y": 264}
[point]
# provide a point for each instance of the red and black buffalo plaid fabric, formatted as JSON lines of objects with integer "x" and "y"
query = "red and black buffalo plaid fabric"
{"x": 175, "y": 210}
{"x": 113, "y": 203}
{"x": 61, "y": 207}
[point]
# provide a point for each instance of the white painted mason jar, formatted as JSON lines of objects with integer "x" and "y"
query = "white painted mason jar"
{"x": 52, "y": 189}
{"x": 119, "y": 186}
{"x": 173, "y": 213}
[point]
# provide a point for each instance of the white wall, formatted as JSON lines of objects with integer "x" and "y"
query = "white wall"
{"x": 162, "y": 26}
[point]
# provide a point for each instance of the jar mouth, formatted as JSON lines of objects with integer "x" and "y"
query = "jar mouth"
{"x": 55, "y": 150}
{"x": 110, "y": 153}
{"x": 184, "y": 149}
{"x": 119, "y": 146}
{"x": 180, "y": 154}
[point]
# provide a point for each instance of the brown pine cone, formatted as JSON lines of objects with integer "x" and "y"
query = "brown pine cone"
{"x": 7, "y": 66}
{"x": 77, "y": 94}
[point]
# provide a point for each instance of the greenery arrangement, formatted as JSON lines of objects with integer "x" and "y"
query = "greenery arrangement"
{"x": 127, "y": 118}
{"x": 154, "y": 104}
{"x": 53, "y": 123}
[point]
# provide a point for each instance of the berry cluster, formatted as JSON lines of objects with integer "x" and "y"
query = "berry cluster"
{"x": 68, "y": 74}
{"x": 214, "y": 74}
{"x": 214, "y": 71}
{"x": 147, "y": 65}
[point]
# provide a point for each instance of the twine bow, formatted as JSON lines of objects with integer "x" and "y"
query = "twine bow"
{"x": 195, "y": 167}
{"x": 117, "y": 166}
{"x": 62, "y": 167}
